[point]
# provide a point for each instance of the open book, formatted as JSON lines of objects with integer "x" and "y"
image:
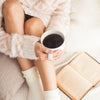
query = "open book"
{"x": 79, "y": 76}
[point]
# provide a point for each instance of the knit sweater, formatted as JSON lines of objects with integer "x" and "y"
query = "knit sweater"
{"x": 55, "y": 15}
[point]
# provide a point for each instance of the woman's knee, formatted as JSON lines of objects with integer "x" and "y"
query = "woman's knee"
{"x": 34, "y": 26}
{"x": 10, "y": 6}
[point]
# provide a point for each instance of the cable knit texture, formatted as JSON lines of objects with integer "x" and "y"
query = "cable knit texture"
{"x": 53, "y": 13}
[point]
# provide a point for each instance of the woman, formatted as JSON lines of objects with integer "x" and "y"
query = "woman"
{"x": 33, "y": 17}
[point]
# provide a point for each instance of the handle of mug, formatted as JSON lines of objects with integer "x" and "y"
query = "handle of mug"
{"x": 50, "y": 56}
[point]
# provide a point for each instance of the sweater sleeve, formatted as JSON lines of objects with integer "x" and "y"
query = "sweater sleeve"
{"x": 60, "y": 19}
{"x": 16, "y": 45}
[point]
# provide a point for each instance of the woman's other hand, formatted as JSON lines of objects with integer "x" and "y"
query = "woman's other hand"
{"x": 57, "y": 54}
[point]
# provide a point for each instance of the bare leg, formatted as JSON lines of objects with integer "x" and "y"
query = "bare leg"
{"x": 14, "y": 23}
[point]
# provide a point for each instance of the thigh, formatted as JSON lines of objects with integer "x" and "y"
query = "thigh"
{"x": 34, "y": 26}
{"x": 13, "y": 17}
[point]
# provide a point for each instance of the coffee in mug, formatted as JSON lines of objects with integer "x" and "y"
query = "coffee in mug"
{"x": 53, "y": 41}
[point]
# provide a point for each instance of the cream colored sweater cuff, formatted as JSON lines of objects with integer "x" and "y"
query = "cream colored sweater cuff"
{"x": 23, "y": 46}
{"x": 29, "y": 47}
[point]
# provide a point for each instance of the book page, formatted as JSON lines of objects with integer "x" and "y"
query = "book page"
{"x": 72, "y": 83}
{"x": 87, "y": 67}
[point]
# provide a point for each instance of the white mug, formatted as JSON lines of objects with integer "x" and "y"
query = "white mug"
{"x": 45, "y": 34}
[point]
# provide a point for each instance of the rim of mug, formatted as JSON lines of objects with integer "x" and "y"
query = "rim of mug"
{"x": 52, "y": 32}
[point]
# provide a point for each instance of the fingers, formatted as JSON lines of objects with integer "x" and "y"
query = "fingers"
{"x": 42, "y": 52}
{"x": 57, "y": 54}
{"x": 57, "y": 57}
{"x": 42, "y": 56}
{"x": 46, "y": 50}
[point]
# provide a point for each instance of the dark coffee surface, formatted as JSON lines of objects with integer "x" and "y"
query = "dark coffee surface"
{"x": 53, "y": 41}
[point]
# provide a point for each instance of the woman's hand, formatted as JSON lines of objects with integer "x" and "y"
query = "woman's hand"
{"x": 57, "y": 54}
{"x": 42, "y": 52}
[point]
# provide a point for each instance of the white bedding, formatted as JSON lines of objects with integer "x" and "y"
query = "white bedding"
{"x": 84, "y": 36}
